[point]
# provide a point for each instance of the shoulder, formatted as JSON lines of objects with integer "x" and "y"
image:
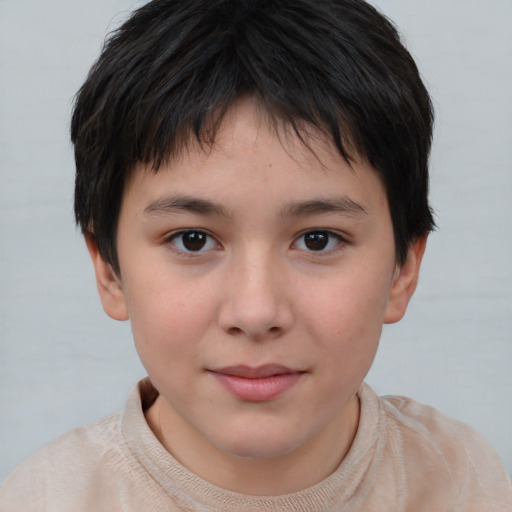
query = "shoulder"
{"x": 460, "y": 466}
{"x": 74, "y": 460}
{"x": 424, "y": 426}
{"x": 88, "y": 442}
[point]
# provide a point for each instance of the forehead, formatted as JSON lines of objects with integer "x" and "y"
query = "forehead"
{"x": 251, "y": 126}
{"x": 253, "y": 154}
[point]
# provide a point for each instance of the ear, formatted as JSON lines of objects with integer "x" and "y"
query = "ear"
{"x": 108, "y": 282}
{"x": 405, "y": 281}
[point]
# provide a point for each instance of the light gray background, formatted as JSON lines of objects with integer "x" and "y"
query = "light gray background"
{"x": 63, "y": 363}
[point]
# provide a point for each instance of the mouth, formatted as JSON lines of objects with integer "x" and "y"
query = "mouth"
{"x": 257, "y": 384}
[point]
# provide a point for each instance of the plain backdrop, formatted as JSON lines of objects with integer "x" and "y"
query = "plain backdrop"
{"x": 63, "y": 363}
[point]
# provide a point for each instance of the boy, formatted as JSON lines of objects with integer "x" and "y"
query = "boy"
{"x": 252, "y": 186}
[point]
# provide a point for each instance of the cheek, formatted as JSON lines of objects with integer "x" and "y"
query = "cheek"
{"x": 350, "y": 308}
{"x": 346, "y": 321}
{"x": 168, "y": 321}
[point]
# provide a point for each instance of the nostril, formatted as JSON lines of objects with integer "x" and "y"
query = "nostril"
{"x": 272, "y": 332}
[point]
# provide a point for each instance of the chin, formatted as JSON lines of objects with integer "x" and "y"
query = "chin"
{"x": 257, "y": 446}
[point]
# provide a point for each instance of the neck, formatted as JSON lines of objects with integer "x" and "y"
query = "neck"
{"x": 321, "y": 455}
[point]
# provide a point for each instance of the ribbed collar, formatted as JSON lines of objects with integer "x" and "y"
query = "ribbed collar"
{"x": 355, "y": 473}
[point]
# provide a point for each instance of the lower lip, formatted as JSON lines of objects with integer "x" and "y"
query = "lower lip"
{"x": 260, "y": 389}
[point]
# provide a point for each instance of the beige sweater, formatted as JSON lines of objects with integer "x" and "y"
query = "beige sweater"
{"x": 405, "y": 457}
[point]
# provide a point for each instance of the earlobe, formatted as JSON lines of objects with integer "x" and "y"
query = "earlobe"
{"x": 404, "y": 282}
{"x": 109, "y": 284}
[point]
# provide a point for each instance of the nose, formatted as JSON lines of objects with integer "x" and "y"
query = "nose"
{"x": 256, "y": 301}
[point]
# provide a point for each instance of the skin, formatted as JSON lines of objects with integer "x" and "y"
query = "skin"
{"x": 256, "y": 294}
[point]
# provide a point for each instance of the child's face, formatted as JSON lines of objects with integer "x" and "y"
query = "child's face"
{"x": 257, "y": 259}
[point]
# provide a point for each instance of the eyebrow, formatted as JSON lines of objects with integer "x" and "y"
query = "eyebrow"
{"x": 181, "y": 203}
{"x": 342, "y": 204}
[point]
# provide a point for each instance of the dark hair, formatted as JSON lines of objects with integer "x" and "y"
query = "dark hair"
{"x": 170, "y": 72}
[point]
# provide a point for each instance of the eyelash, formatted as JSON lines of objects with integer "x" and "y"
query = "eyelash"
{"x": 178, "y": 236}
{"x": 210, "y": 242}
{"x": 330, "y": 235}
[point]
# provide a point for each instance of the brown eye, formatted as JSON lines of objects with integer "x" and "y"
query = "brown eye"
{"x": 193, "y": 241}
{"x": 318, "y": 241}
